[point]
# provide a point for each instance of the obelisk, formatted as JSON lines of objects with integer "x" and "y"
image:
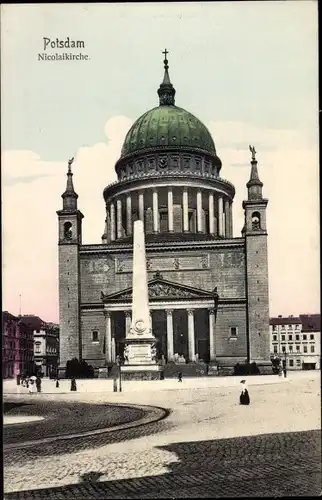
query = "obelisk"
{"x": 141, "y": 324}
{"x": 140, "y": 347}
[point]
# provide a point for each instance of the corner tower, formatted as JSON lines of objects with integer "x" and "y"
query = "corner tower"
{"x": 255, "y": 233}
{"x": 69, "y": 241}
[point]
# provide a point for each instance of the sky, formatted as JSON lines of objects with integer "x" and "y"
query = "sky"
{"x": 248, "y": 70}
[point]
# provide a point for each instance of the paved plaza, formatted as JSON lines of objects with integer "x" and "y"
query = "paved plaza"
{"x": 208, "y": 446}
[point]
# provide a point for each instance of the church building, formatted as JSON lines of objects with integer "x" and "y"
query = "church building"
{"x": 208, "y": 290}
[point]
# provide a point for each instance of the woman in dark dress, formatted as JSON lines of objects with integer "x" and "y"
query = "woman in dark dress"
{"x": 73, "y": 386}
{"x": 244, "y": 396}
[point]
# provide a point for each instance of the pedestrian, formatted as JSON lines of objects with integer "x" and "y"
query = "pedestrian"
{"x": 73, "y": 386}
{"x": 31, "y": 386}
{"x": 284, "y": 371}
{"x": 244, "y": 398}
{"x": 180, "y": 377}
{"x": 38, "y": 383}
{"x": 57, "y": 382}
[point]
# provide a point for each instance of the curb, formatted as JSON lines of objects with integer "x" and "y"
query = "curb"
{"x": 155, "y": 414}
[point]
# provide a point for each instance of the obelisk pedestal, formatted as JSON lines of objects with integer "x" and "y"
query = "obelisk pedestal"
{"x": 140, "y": 343}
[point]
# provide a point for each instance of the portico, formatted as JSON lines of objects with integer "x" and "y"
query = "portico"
{"x": 182, "y": 321}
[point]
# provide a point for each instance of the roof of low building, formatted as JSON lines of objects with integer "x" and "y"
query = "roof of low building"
{"x": 285, "y": 320}
{"x": 311, "y": 322}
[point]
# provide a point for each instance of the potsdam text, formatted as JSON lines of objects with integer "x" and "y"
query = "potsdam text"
{"x": 66, "y": 43}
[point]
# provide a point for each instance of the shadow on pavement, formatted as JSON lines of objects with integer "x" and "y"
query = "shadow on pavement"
{"x": 286, "y": 464}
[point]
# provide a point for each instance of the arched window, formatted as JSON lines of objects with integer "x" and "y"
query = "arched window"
{"x": 256, "y": 221}
{"x": 67, "y": 230}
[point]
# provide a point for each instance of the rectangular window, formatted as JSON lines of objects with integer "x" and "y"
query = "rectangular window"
{"x": 283, "y": 337}
{"x": 297, "y": 337}
{"x": 274, "y": 338}
{"x": 164, "y": 222}
{"x": 312, "y": 348}
{"x": 275, "y": 349}
{"x": 94, "y": 336}
{"x": 305, "y": 348}
{"x": 297, "y": 327}
{"x": 290, "y": 337}
{"x": 283, "y": 348}
{"x": 274, "y": 328}
{"x": 311, "y": 336}
{"x": 298, "y": 348}
{"x": 291, "y": 362}
{"x": 304, "y": 337}
{"x": 290, "y": 327}
{"x": 298, "y": 362}
{"x": 233, "y": 331}
{"x": 290, "y": 348}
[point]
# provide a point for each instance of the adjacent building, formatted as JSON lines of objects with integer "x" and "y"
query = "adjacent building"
{"x": 297, "y": 339}
{"x": 17, "y": 346}
{"x": 45, "y": 344}
{"x": 208, "y": 290}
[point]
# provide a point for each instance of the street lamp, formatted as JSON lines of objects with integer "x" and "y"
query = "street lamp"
{"x": 285, "y": 370}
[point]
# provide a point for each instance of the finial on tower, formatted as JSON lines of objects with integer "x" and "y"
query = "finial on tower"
{"x": 166, "y": 91}
{"x": 69, "y": 196}
{"x": 254, "y": 185}
{"x": 70, "y": 162}
{"x": 252, "y": 150}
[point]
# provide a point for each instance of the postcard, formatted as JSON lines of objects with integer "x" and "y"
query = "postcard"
{"x": 160, "y": 226}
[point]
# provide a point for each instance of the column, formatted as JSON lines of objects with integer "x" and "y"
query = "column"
{"x": 231, "y": 232}
{"x": 128, "y": 215}
{"x": 185, "y": 210}
{"x": 119, "y": 217}
{"x": 128, "y": 319}
{"x": 141, "y": 206}
{"x": 151, "y": 324}
{"x": 108, "y": 225}
{"x": 108, "y": 337}
{"x": 199, "y": 210}
{"x": 113, "y": 350}
{"x": 191, "y": 335}
{"x": 227, "y": 221}
{"x": 220, "y": 216}
{"x": 155, "y": 211}
{"x": 211, "y": 213}
{"x": 212, "y": 340}
{"x": 170, "y": 209}
{"x": 170, "y": 335}
{"x": 112, "y": 217}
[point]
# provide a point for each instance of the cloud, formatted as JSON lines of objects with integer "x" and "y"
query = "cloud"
{"x": 288, "y": 168}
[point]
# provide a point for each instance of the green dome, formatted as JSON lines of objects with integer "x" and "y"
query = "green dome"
{"x": 167, "y": 126}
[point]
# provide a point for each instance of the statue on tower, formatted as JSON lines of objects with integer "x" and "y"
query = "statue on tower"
{"x": 70, "y": 162}
{"x": 253, "y": 151}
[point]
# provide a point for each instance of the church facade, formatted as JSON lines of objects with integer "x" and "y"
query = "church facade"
{"x": 208, "y": 290}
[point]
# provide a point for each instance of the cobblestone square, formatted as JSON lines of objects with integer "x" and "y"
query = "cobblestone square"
{"x": 208, "y": 446}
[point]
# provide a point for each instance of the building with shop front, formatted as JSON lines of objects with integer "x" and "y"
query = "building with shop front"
{"x": 45, "y": 344}
{"x": 17, "y": 346}
{"x": 208, "y": 290}
{"x": 297, "y": 340}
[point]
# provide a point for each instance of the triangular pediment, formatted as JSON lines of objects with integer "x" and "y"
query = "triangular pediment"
{"x": 161, "y": 289}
